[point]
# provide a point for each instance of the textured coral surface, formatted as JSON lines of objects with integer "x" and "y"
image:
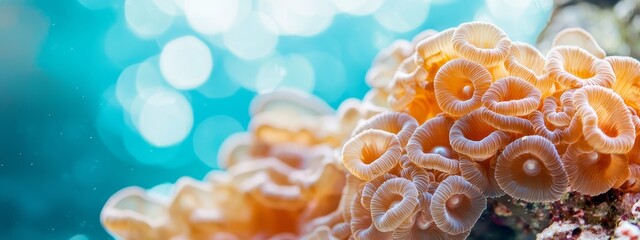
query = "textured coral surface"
{"x": 453, "y": 118}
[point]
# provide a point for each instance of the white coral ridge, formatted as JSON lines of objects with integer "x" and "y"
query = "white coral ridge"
{"x": 635, "y": 210}
{"x": 556, "y": 229}
{"x": 627, "y": 230}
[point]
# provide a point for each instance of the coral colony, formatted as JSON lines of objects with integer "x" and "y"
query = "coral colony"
{"x": 455, "y": 121}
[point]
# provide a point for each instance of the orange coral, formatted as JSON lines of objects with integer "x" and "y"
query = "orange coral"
{"x": 460, "y": 85}
{"x": 456, "y": 205}
{"x": 483, "y": 43}
{"x": 472, "y": 136}
{"x": 452, "y": 118}
{"x": 429, "y": 146}
{"x": 573, "y": 67}
{"x": 530, "y": 169}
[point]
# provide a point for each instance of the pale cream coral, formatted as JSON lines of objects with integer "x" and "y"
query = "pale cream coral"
{"x": 460, "y": 85}
{"x": 574, "y": 67}
{"x": 474, "y": 137}
{"x": 371, "y": 153}
{"x": 456, "y": 205}
{"x": 606, "y": 121}
{"x": 530, "y": 169}
{"x": 429, "y": 146}
{"x": 580, "y": 38}
{"x": 400, "y": 124}
{"x": 483, "y": 43}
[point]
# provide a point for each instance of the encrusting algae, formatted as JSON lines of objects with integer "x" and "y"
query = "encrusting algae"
{"x": 454, "y": 119}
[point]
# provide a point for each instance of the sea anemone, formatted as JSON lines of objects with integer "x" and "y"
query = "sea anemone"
{"x": 474, "y": 137}
{"x": 559, "y": 111}
{"x": 393, "y": 203}
{"x": 530, "y": 169}
{"x": 527, "y": 62}
{"x": 627, "y": 83}
{"x": 580, "y": 38}
{"x": 456, "y": 205}
{"x": 482, "y": 43}
{"x": 371, "y": 153}
{"x": 429, "y": 146}
{"x": 591, "y": 172}
{"x": 574, "y": 67}
{"x": 606, "y": 121}
{"x": 482, "y": 175}
{"x": 512, "y": 96}
{"x": 460, "y": 85}
{"x": 400, "y": 124}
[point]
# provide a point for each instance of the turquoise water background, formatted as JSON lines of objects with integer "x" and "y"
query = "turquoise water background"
{"x": 75, "y": 75}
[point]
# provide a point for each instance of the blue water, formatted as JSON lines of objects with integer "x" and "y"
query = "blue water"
{"x": 68, "y": 143}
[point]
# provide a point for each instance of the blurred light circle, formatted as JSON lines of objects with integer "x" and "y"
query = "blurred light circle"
{"x": 544, "y": 5}
{"x": 123, "y": 47}
{"x": 79, "y": 237}
{"x": 145, "y": 18}
{"x": 186, "y": 62}
{"x": 165, "y": 118}
{"x": 170, "y": 7}
{"x": 211, "y": 16}
{"x": 109, "y": 124}
{"x": 131, "y": 120}
{"x": 292, "y": 71}
{"x": 95, "y": 4}
{"x": 219, "y": 85}
{"x": 126, "y": 86}
{"x": 330, "y": 76}
{"x": 145, "y": 153}
{"x": 210, "y": 134}
{"x": 382, "y": 39}
{"x": 299, "y": 17}
{"x": 403, "y": 15}
{"x": 243, "y": 72}
{"x": 148, "y": 77}
{"x": 252, "y": 37}
{"x": 357, "y": 7}
{"x": 442, "y": 2}
{"x": 219, "y": 88}
{"x": 270, "y": 75}
{"x": 508, "y": 9}
{"x": 525, "y": 27}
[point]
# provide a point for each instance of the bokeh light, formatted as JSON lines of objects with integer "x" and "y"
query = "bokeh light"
{"x": 299, "y": 17}
{"x": 291, "y": 71}
{"x": 520, "y": 19}
{"x": 402, "y": 16}
{"x": 145, "y": 18}
{"x": 148, "y": 77}
{"x": 165, "y": 118}
{"x": 79, "y": 237}
{"x": 171, "y": 7}
{"x": 252, "y": 37}
{"x": 357, "y": 7}
{"x": 210, "y": 134}
{"x": 186, "y": 62}
{"x": 211, "y": 16}
{"x": 330, "y": 76}
{"x": 126, "y": 86}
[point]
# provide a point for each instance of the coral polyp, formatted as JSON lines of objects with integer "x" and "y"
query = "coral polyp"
{"x": 454, "y": 119}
